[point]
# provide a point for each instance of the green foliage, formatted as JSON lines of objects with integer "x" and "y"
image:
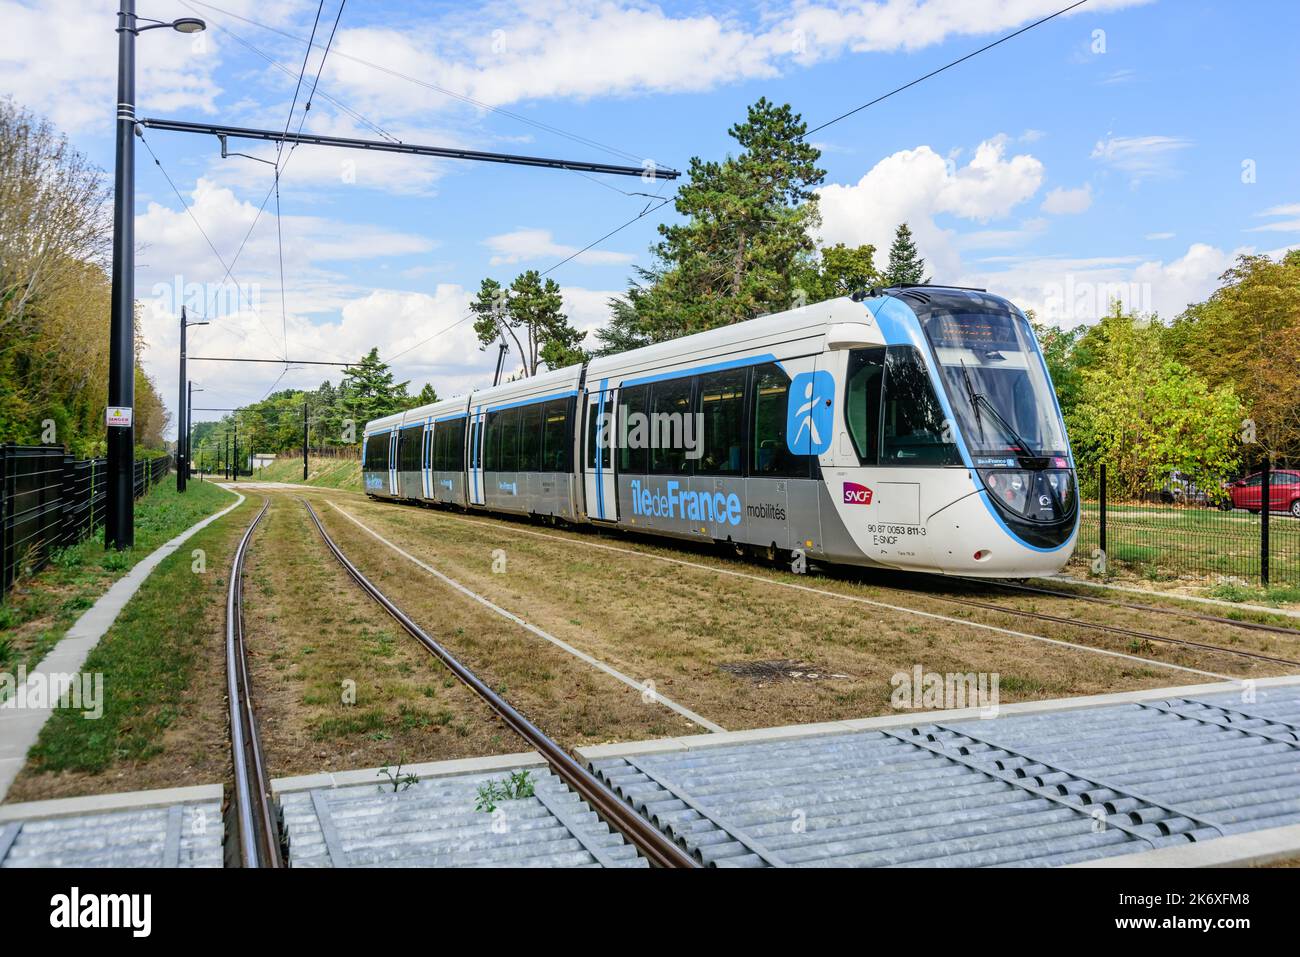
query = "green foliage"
{"x": 369, "y": 392}
{"x": 906, "y": 267}
{"x": 840, "y": 271}
{"x": 1146, "y": 415}
{"x": 396, "y": 779}
{"x": 517, "y": 786}
{"x": 1247, "y": 335}
{"x": 528, "y": 314}
{"x": 745, "y": 238}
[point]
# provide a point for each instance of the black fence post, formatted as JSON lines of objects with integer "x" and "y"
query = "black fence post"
{"x": 1101, "y": 510}
{"x": 1265, "y": 506}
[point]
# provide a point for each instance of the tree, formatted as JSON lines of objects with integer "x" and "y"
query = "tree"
{"x": 906, "y": 267}
{"x": 529, "y": 314}
{"x": 369, "y": 391}
{"x": 840, "y": 271}
{"x": 1247, "y": 334}
{"x": 1058, "y": 347}
{"x": 744, "y": 239}
{"x": 428, "y": 395}
{"x": 1145, "y": 415}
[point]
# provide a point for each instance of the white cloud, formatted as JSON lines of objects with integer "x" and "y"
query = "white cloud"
{"x": 1070, "y": 291}
{"x": 1063, "y": 202}
{"x": 529, "y": 245}
{"x": 59, "y": 58}
{"x": 1282, "y": 225}
{"x": 1158, "y": 236}
{"x": 1142, "y": 157}
{"x": 914, "y": 186}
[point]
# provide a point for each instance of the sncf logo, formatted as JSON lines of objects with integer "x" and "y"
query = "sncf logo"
{"x": 855, "y": 494}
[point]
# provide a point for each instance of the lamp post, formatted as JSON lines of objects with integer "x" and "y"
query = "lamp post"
{"x": 119, "y": 519}
{"x": 183, "y": 415}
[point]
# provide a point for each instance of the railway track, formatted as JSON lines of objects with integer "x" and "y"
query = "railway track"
{"x": 856, "y": 576}
{"x": 254, "y": 811}
{"x": 658, "y": 849}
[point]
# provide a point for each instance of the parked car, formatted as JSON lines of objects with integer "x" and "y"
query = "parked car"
{"x": 1180, "y": 490}
{"x": 1248, "y": 492}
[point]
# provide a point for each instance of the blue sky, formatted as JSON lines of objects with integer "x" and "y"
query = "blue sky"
{"x": 1129, "y": 148}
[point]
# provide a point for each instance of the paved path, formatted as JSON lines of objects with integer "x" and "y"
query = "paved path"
{"x": 21, "y": 726}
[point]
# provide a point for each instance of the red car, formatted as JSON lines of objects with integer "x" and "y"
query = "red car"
{"x": 1284, "y": 492}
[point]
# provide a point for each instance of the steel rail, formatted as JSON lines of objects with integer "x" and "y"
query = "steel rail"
{"x": 659, "y": 850}
{"x": 259, "y": 835}
{"x": 1142, "y": 606}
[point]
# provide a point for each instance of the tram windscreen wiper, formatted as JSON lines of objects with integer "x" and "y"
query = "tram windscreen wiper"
{"x": 976, "y": 398}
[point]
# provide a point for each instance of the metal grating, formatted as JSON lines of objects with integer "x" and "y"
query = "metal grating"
{"x": 180, "y": 835}
{"x": 434, "y": 824}
{"x": 1042, "y": 789}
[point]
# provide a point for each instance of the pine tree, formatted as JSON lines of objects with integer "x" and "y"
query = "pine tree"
{"x": 906, "y": 267}
{"x": 529, "y": 314}
{"x": 369, "y": 390}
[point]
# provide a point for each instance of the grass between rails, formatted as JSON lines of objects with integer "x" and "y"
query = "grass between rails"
{"x": 678, "y": 625}
{"x": 163, "y": 664}
{"x": 337, "y": 683}
{"x": 40, "y": 609}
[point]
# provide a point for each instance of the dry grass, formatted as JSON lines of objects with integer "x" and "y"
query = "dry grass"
{"x": 677, "y": 625}
{"x": 313, "y": 636}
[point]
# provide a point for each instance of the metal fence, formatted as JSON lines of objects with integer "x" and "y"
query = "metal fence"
{"x": 1182, "y": 532}
{"x": 50, "y": 500}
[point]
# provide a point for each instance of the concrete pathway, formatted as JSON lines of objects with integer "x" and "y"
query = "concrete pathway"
{"x": 21, "y": 726}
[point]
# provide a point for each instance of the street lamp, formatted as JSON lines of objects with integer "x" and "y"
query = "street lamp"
{"x": 182, "y": 414}
{"x": 119, "y": 520}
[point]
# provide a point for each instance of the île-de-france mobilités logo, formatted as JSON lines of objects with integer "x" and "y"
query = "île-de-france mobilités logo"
{"x": 809, "y": 413}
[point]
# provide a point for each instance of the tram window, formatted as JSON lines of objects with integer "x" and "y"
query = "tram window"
{"x": 914, "y": 431}
{"x": 670, "y": 404}
{"x": 508, "y": 457}
{"x": 476, "y": 445}
{"x": 555, "y": 436}
{"x": 530, "y": 438}
{"x": 771, "y": 457}
{"x": 454, "y": 453}
{"x": 492, "y": 424}
{"x": 408, "y": 454}
{"x": 633, "y": 402}
{"x": 722, "y": 414}
{"x": 377, "y": 453}
{"x": 862, "y": 401}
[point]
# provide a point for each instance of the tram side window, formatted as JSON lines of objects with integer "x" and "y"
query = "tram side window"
{"x": 492, "y": 423}
{"x": 632, "y": 401}
{"x": 722, "y": 410}
{"x": 509, "y": 427}
{"x": 771, "y": 456}
{"x": 453, "y": 453}
{"x": 914, "y": 432}
{"x": 670, "y": 404}
{"x": 599, "y": 409}
{"x": 556, "y": 441}
{"x": 408, "y": 455}
{"x": 530, "y": 438}
{"x": 866, "y": 374}
{"x": 377, "y": 453}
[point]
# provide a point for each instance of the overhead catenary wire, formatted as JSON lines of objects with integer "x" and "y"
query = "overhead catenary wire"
{"x": 946, "y": 66}
{"x": 479, "y": 104}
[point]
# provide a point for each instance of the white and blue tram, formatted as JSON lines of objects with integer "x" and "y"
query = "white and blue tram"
{"x": 916, "y": 428}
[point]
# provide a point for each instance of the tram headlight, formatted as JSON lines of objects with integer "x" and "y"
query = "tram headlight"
{"x": 1046, "y": 496}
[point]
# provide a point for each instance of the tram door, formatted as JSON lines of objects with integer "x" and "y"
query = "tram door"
{"x": 600, "y": 492}
{"x": 394, "y": 437}
{"x": 474, "y": 459}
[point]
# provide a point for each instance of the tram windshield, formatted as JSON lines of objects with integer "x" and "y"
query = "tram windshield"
{"x": 997, "y": 386}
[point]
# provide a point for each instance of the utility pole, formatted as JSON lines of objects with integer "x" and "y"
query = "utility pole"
{"x": 182, "y": 453}
{"x": 119, "y": 517}
{"x": 501, "y": 358}
{"x": 304, "y": 437}
{"x": 235, "y": 459}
